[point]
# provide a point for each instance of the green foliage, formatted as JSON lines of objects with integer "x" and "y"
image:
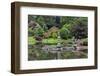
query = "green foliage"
{"x": 50, "y": 41}
{"x": 38, "y": 31}
{"x": 39, "y": 34}
{"x": 45, "y": 28}
{"x": 30, "y": 32}
{"x": 67, "y": 20}
{"x": 31, "y": 40}
{"x": 31, "y": 18}
{"x": 49, "y": 21}
{"x": 40, "y": 20}
{"x": 79, "y": 28}
{"x": 54, "y": 35}
{"x": 64, "y": 33}
{"x": 68, "y": 27}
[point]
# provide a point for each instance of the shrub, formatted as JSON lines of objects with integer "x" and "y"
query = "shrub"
{"x": 38, "y": 31}
{"x": 64, "y": 33}
{"x": 54, "y": 35}
{"x": 30, "y": 32}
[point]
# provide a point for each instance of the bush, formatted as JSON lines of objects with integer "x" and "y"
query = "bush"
{"x": 54, "y": 35}
{"x": 38, "y": 31}
{"x": 64, "y": 33}
{"x": 31, "y": 40}
{"x": 30, "y": 32}
{"x": 50, "y": 41}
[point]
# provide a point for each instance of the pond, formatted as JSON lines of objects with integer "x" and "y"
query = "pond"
{"x": 49, "y": 52}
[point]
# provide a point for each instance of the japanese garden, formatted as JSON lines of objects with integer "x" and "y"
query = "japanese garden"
{"x": 57, "y": 37}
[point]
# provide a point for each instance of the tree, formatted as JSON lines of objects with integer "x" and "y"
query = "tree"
{"x": 67, "y": 20}
{"x": 50, "y": 21}
{"x": 73, "y": 26}
{"x": 45, "y": 28}
{"x": 40, "y": 20}
{"x": 79, "y": 28}
{"x": 38, "y": 31}
{"x": 31, "y": 18}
